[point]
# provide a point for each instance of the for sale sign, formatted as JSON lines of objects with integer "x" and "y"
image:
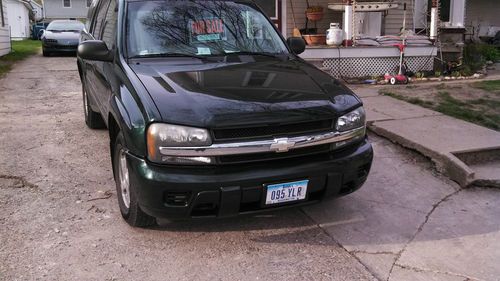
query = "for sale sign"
{"x": 207, "y": 30}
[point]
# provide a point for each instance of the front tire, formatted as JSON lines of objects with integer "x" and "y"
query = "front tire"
{"x": 45, "y": 53}
{"x": 125, "y": 190}
{"x": 92, "y": 119}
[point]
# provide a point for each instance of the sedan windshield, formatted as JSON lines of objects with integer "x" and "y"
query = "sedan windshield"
{"x": 65, "y": 26}
{"x": 197, "y": 28}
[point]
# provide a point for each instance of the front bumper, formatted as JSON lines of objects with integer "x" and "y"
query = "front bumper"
{"x": 55, "y": 47}
{"x": 184, "y": 192}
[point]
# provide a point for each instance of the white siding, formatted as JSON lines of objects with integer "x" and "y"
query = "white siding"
{"x": 420, "y": 13}
{"x": 4, "y": 32}
{"x": 37, "y": 9}
{"x": 54, "y": 9}
{"x": 393, "y": 20}
{"x": 300, "y": 6}
{"x": 483, "y": 15}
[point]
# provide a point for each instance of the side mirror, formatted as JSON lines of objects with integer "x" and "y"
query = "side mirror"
{"x": 40, "y": 33}
{"x": 297, "y": 44}
{"x": 94, "y": 50}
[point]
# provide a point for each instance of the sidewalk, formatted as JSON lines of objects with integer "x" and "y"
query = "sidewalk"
{"x": 467, "y": 153}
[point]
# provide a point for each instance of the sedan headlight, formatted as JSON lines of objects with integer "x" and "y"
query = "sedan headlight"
{"x": 166, "y": 135}
{"x": 352, "y": 120}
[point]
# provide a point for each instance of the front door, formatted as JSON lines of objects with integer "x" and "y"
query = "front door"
{"x": 15, "y": 14}
{"x": 17, "y": 29}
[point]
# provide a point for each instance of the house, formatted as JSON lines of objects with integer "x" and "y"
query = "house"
{"x": 372, "y": 28}
{"x": 20, "y": 13}
{"x": 4, "y": 29}
{"x": 370, "y": 31}
{"x": 66, "y": 9}
{"x": 482, "y": 19}
{"x": 359, "y": 20}
{"x": 37, "y": 10}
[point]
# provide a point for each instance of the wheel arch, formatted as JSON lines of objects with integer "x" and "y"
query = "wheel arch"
{"x": 80, "y": 70}
{"x": 113, "y": 130}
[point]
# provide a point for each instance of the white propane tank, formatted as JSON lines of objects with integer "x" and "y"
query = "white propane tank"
{"x": 334, "y": 35}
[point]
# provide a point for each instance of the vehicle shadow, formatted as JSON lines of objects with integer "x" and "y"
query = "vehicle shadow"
{"x": 287, "y": 218}
{"x": 288, "y": 226}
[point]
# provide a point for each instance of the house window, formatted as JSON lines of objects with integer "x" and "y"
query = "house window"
{"x": 272, "y": 8}
{"x": 89, "y": 2}
{"x": 67, "y": 3}
{"x": 1, "y": 13}
{"x": 269, "y": 7}
{"x": 444, "y": 11}
{"x": 451, "y": 13}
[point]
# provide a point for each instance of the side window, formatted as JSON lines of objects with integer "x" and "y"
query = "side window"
{"x": 99, "y": 19}
{"x": 109, "y": 30}
{"x": 1, "y": 13}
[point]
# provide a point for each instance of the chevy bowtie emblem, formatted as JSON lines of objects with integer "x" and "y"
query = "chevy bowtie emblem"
{"x": 282, "y": 145}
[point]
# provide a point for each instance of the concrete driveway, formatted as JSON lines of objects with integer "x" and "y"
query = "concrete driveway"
{"x": 59, "y": 219}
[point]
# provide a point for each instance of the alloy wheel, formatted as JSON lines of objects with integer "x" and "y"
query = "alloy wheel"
{"x": 124, "y": 178}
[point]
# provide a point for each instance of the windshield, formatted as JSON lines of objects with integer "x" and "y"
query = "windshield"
{"x": 199, "y": 28}
{"x": 65, "y": 26}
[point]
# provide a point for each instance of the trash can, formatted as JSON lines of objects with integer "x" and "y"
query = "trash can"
{"x": 36, "y": 28}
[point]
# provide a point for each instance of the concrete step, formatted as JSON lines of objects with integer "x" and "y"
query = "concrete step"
{"x": 469, "y": 154}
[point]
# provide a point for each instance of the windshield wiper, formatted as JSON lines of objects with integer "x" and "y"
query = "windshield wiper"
{"x": 170, "y": 55}
{"x": 272, "y": 55}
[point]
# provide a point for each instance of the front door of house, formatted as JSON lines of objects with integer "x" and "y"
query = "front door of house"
{"x": 18, "y": 29}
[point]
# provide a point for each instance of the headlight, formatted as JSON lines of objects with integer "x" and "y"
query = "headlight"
{"x": 166, "y": 135}
{"x": 352, "y": 120}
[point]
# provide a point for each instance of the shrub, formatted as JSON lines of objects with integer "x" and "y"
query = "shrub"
{"x": 489, "y": 52}
{"x": 472, "y": 57}
{"x": 476, "y": 55}
{"x": 465, "y": 70}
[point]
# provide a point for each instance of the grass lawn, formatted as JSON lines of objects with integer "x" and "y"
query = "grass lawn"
{"x": 20, "y": 50}
{"x": 492, "y": 86}
{"x": 477, "y": 102}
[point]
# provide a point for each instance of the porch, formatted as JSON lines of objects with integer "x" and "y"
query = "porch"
{"x": 363, "y": 61}
{"x": 372, "y": 27}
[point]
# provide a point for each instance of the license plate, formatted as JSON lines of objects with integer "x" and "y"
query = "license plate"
{"x": 286, "y": 192}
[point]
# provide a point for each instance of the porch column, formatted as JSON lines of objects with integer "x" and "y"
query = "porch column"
{"x": 347, "y": 26}
{"x": 434, "y": 20}
{"x": 284, "y": 20}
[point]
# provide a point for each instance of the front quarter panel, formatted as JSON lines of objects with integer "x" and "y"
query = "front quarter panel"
{"x": 127, "y": 113}
{"x": 130, "y": 104}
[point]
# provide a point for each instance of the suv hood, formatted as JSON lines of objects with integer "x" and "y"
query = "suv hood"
{"x": 204, "y": 94}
